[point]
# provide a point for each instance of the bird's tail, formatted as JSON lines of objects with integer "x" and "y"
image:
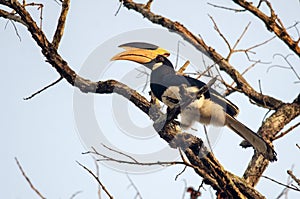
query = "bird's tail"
{"x": 257, "y": 142}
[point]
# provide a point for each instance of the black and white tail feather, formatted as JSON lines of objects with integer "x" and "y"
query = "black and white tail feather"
{"x": 257, "y": 142}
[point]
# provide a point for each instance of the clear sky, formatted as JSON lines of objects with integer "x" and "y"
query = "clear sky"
{"x": 44, "y": 133}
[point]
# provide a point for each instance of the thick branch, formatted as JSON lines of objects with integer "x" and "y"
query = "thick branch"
{"x": 269, "y": 129}
{"x": 272, "y": 24}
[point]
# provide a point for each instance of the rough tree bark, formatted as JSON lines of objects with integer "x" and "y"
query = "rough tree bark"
{"x": 203, "y": 162}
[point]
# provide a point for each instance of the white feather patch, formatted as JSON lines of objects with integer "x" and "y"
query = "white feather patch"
{"x": 171, "y": 93}
{"x": 204, "y": 111}
{"x": 201, "y": 110}
{"x": 157, "y": 65}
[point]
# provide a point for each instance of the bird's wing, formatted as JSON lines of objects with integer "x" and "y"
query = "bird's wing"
{"x": 177, "y": 80}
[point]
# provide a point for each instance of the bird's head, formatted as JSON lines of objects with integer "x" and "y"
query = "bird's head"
{"x": 147, "y": 54}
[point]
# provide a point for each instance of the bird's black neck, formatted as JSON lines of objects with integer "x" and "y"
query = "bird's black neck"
{"x": 161, "y": 71}
{"x": 157, "y": 84}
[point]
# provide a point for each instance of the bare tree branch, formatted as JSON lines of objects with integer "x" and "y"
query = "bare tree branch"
{"x": 287, "y": 131}
{"x": 273, "y": 23}
{"x": 290, "y": 66}
{"x": 97, "y": 179}
{"x": 61, "y": 23}
{"x": 28, "y": 180}
{"x": 227, "y": 8}
{"x": 282, "y": 184}
{"x": 222, "y": 36}
{"x": 97, "y": 174}
{"x": 12, "y": 16}
{"x": 133, "y": 160}
{"x": 15, "y": 27}
{"x": 39, "y": 6}
{"x": 43, "y": 89}
{"x": 75, "y": 194}
{"x": 138, "y": 194}
{"x": 294, "y": 177}
{"x": 285, "y": 191}
{"x": 204, "y": 163}
{"x": 119, "y": 152}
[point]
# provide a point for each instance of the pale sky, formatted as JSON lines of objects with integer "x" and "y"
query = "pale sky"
{"x": 44, "y": 134}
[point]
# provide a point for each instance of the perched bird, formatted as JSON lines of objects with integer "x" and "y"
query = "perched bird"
{"x": 210, "y": 108}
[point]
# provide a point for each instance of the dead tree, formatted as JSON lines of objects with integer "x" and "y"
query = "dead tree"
{"x": 207, "y": 166}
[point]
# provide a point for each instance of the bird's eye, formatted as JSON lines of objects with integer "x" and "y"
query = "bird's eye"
{"x": 159, "y": 58}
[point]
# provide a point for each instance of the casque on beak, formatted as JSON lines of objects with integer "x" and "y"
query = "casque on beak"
{"x": 142, "y": 53}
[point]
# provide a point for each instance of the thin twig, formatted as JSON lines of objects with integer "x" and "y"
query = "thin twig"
{"x": 287, "y": 131}
{"x": 43, "y": 89}
{"x": 138, "y": 194}
{"x": 287, "y": 61}
{"x": 206, "y": 71}
{"x": 40, "y": 7}
{"x": 133, "y": 162}
{"x": 119, "y": 152}
{"x": 97, "y": 179}
{"x": 286, "y": 190}
{"x": 262, "y": 43}
{"x": 185, "y": 188}
{"x": 119, "y": 8}
{"x": 280, "y": 183}
{"x": 16, "y": 30}
{"x": 259, "y": 85}
{"x": 207, "y": 138}
{"x": 250, "y": 67}
{"x": 162, "y": 163}
{"x": 187, "y": 163}
{"x": 177, "y": 53}
{"x": 209, "y": 73}
{"x": 227, "y": 8}
{"x": 97, "y": 174}
{"x": 28, "y": 180}
{"x": 142, "y": 73}
{"x": 220, "y": 33}
{"x": 241, "y": 36}
{"x": 294, "y": 177}
{"x": 75, "y": 194}
{"x": 180, "y": 173}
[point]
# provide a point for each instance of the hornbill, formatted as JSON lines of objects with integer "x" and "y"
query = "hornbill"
{"x": 210, "y": 108}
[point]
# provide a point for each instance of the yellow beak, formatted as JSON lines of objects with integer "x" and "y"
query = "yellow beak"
{"x": 139, "y": 55}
